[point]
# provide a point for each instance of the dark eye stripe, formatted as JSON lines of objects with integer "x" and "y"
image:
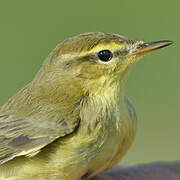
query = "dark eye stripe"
{"x": 122, "y": 52}
{"x": 92, "y": 58}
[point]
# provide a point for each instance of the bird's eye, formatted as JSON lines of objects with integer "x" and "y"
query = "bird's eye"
{"x": 105, "y": 55}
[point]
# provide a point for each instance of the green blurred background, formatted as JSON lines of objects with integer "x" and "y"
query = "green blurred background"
{"x": 29, "y": 30}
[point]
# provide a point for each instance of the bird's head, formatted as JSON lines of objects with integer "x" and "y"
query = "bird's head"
{"x": 92, "y": 62}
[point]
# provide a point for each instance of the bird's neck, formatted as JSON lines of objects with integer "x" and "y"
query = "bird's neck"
{"x": 100, "y": 105}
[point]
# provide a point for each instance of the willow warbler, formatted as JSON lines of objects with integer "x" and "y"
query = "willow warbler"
{"x": 73, "y": 120}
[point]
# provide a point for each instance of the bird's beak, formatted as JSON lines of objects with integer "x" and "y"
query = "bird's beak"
{"x": 148, "y": 47}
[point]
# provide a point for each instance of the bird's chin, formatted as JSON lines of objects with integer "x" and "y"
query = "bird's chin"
{"x": 131, "y": 60}
{"x": 128, "y": 64}
{"x": 135, "y": 58}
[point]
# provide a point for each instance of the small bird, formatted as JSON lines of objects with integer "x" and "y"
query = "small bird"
{"x": 73, "y": 120}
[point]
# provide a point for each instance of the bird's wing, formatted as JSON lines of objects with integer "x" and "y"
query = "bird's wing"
{"x": 24, "y": 136}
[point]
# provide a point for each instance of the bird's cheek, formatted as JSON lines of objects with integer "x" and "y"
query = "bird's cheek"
{"x": 90, "y": 72}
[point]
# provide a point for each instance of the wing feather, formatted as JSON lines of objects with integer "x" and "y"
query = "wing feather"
{"x": 23, "y": 136}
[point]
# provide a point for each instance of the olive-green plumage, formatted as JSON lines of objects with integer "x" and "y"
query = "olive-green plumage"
{"x": 73, "y": 120}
